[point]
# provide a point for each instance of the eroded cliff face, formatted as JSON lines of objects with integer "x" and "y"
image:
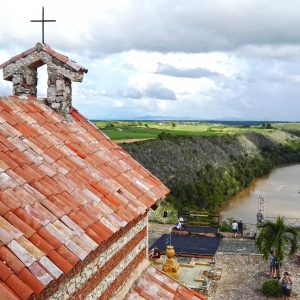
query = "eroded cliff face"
{"x": 184, "y": 157}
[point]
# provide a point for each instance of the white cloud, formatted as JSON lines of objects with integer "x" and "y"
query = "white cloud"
{"x": 212, "y": 59}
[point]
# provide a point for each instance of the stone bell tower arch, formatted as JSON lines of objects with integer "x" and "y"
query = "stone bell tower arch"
{"x": 22, "y": 71}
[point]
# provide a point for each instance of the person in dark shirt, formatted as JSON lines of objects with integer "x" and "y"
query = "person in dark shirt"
{"x": 155, "y": 254}
{"x": 241, "y": 228}
{"x": 165, "y": 216}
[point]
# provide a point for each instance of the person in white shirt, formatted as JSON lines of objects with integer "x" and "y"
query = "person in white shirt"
{"x": 234, "y": 228}
{"x": 179, "y": 226}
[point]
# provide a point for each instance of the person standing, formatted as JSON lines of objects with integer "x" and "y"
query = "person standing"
{"x": 286, "y": 283}
{"x": 234, "y": 228}
{"x": 241, "y": 228}
{"x": 272, "y": 260}
{"x": 181, "y": 221}
{"x": 165, "y": 216}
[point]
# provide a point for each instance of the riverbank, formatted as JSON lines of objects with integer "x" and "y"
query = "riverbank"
{"x": 243, "y": 268}
{"x": 203, "y": 172}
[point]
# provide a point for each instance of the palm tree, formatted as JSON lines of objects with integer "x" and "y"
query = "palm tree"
{"x": 277, "y": 236}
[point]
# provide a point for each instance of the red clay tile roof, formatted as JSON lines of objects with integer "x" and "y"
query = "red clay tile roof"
{"x": 154, "y": 284}
{"x": 64, "y": 59}
{"x": 65, "y": 188}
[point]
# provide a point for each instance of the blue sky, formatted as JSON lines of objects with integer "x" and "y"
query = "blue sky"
{"x": 217, "y": 59}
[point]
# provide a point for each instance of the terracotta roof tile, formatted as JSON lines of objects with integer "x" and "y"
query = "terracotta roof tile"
{"x": 49, "y": 237}
{"x": 28, "y": 177}
{"x": 11, "y": 199}
{"x": 8, "y": 117}
{"x": 93, "y": 211}
{"x": 68, "y": 256}
{"x": 7, "y": 143}
{"x": 67, "y": 189}
{"x": 3, "y": 208}
{"x": 45, "y": 212}
{"x": 50, "y": 267}
{"x": 11, "y": 260}
{"x": 26, "y": 218}
{"x": 40, "y": 273}
{"x": 26, "y": 130}
{"x": 7, "y": 131}
{"x": 21, "y": 289}
{"x": 59, "y": 204}
{"x": 8, "y": 161}
{"x": 154, "y": 284}
{"x": 78, "y": 220}
{"x": 41, "y": 244}
{"x": 64, "y": 182}
{"x": 84, "y": 217}
{"x": 85, "y": 243}
{"x": 94, "y": 236}
{"x": 19, "y": 224}
{"x": 5, "y": 272}
{"x": 109, "y": 203}
{"x": 28, "y": 278}
{"x": 34, "y": 193}
{"x": 36, "y": 173}
{"x": 37, "y": 215}
{"x": 91, "y": 196}
{"x": 125, "y": 215}
{"x": 14, "y": 176}
{"x": 72, "y": 225}
{"x": 101, "y": 229}
{"x": 26, "y": 257}
{"x": 56, "y": 211}
{"x": 31, "y": 248}
{"x": 3, "y": 166}
{"x": 64, "y": 198}
{"x": 89, "y": 213}
{"x": 60, "y": 235}
{"x": 7, "y": 293}
{"x": 6, "y": 229}
{"x": 76, "y": 249}
{"x": 38, "y": 117}
{"x": 108, "y": 224}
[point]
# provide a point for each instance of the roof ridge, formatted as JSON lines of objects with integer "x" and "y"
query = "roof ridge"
{"x": 45, "y": 47}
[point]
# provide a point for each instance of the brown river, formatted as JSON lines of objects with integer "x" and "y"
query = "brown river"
{"x": 281, "y": 191}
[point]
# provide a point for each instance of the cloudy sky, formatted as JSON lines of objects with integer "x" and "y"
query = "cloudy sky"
{"x": 216, "y": 59}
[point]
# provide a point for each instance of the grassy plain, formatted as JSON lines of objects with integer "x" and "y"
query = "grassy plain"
{"x": 121, "y": 130}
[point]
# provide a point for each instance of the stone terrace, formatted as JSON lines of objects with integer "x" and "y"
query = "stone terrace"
{"x": 243, "y": 268}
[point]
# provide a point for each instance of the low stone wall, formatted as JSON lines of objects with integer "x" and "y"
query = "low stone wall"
{"x": 106, "y": 268}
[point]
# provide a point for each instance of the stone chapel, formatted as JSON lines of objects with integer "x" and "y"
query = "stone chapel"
{"x": 73, "y": 204}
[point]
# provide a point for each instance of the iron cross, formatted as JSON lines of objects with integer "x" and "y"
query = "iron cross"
{"x": 43, "y": 22}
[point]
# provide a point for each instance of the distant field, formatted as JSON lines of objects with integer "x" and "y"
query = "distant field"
{"x": 145, "y": 130}
{"x": 293, "y": 128}
{"x": 287, "y": 126}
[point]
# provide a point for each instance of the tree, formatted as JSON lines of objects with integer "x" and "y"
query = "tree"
{"x": 277, "y": 236}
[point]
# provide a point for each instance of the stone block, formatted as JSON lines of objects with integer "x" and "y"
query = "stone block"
{"x": 60, "y": 85}
{"x": 51, "y": 94}
{"x": 30, "y": 80}
{"x": 55, "y": 105}
{"x": 18, "y": 79}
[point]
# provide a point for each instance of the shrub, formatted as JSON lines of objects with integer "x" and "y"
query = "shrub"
{"x": 164, "y": 135}
{"x": 226, "y": 226}
{"x": 272, "y": 288}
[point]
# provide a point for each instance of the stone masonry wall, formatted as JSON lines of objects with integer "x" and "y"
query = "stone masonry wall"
{"x": 97, "y": 276}
{"x": 59, "y": 92}
{"x": 25, "y": 82}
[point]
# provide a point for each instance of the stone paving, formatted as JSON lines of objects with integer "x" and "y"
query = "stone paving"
{"x": 243, "y": 269}
{"x": 237, "y": 246}
{"x": 243, "y": 276}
